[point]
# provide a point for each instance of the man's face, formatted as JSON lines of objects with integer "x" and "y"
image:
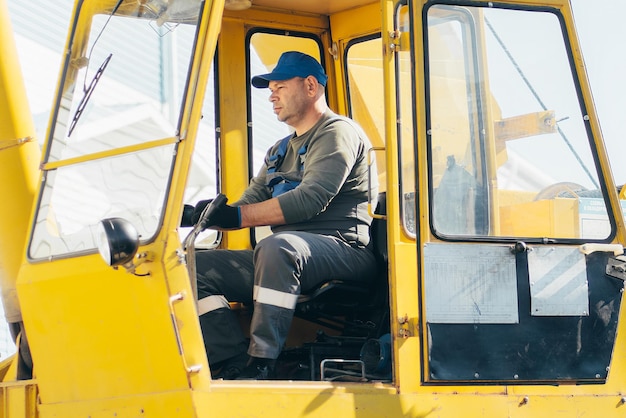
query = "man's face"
{"x": 289, "y": 99}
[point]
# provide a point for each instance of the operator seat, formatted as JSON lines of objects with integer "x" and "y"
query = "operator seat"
{"x": 353, "y": 308}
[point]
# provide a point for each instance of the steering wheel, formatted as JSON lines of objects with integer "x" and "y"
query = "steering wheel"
{"x": 554, "y": 190}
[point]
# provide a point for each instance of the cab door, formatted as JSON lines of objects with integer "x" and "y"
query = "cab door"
{"x": 516, "y": 211}
{"x": 119, "y": 145}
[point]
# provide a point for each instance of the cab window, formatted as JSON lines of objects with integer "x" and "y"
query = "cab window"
{"x": 114, "y": 135}
{"x": 264, "y": 49}
{"x": 509, "y": 145}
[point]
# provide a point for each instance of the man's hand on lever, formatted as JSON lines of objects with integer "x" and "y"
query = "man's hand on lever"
{"x": 219, "y": 215}
{"x": 224, "y": 217}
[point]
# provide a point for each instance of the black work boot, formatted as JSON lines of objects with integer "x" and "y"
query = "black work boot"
{"x": 258, "y": 369}
{"x": 231, "y": 369}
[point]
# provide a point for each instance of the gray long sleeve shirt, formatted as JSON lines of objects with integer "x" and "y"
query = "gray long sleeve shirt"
{"x": 332, "y": 195}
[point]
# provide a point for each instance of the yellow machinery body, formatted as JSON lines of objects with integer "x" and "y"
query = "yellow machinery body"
{"x": 503, "y": 229}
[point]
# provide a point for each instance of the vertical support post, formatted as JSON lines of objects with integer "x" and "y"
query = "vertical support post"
{"x": 19, "y": 159}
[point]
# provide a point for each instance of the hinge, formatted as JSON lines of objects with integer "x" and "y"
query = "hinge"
{"x": 399, "y": 41}
{"x": 407, "y": 327}
{"x": 8, "y": 143}
{"x": 332, "y": 50}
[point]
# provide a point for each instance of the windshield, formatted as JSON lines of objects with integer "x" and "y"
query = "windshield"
{"x": 117, "y": 121}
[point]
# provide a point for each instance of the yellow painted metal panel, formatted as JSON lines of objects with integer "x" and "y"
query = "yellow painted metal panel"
{"x": 134, "y": 349}
{"x": 260, "y": 400}
{"x": 233, "y": 126}
{"x": 165, "y": 405}
{"x": 271, "y": 19}
{"x": 121, "y": 335}
{"x": 8, "y": 369}
{"x": 19, "y": 159}
{"x": 109, "y": 153}
{"x": 18, "y": 400}
{"x": 356, "y": 22}
{"x": 312, "y": 400}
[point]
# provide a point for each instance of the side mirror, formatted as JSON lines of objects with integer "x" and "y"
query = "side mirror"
{"x": 118, "y": 241}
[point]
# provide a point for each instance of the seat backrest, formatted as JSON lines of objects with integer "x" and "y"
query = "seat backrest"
{"x": 337, "y": 289}
{"x": 339, "y": 304}
{"x": 379, "y": 288}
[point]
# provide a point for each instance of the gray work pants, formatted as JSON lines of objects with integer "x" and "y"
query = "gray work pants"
{"x": 281, "y": 267}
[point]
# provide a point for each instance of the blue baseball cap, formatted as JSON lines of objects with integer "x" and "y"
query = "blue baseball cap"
{"x": 292, "y": 64}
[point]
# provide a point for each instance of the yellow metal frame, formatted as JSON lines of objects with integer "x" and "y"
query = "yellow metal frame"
{"x": 19, "y": 153}
{"x": 518, "y": 400}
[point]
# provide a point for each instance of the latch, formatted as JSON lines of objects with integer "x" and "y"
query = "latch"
{"x": 616, "y": 267}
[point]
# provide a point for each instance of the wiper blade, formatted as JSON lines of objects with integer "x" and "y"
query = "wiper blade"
{"x": 87, "y": 95}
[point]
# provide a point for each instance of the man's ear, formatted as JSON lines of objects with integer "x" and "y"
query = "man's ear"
{"x": 311, "y": 84}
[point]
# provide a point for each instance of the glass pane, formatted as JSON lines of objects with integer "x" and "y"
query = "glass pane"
{"x": 365, "y": 85}
{"x": 125, "y": 87}
{"x": 406, "y": 135}
{"x": 364, "y": 70}
{"x": 508, "y": 141}
{"x": 202, "y": 181}
{"x": 265, "y": 49}
{"x": 77, "y": 197}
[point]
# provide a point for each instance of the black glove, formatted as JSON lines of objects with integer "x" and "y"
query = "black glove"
{"x": 197, "y": 210}
{"x": 191, "y": 214}
{"x": 225, "y": 217}
{"x": 186, "y": 219}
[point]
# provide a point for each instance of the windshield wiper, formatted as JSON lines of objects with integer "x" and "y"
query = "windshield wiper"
{"x": 87, "y": 95}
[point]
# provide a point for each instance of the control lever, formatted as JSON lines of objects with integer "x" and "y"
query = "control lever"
{"x": 219, "y": 201}
{"x": 189, "y": 243}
